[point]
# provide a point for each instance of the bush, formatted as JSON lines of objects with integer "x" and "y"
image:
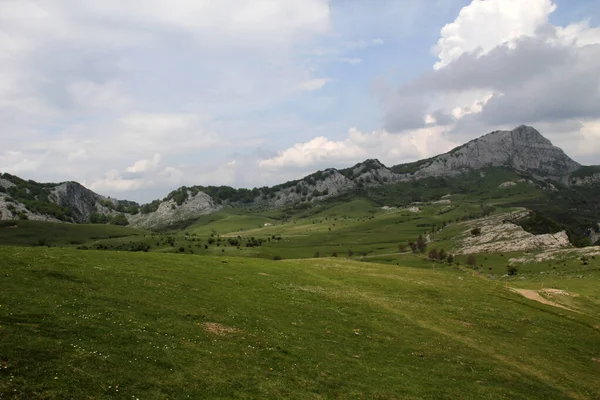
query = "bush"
{"x": 433, "y": 254}
{"x": 277, "y": 258}
{"x": 512, "y": 270}
{"x": 471, "y": 260}
{"x": 476, "y": 231}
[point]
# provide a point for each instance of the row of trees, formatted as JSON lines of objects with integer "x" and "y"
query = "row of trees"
{"x": 117, "y": 219}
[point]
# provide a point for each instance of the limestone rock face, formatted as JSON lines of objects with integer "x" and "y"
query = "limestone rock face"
{"x": 6, "y": 183}
{"x": 585, "y": 181}
{"x": 499, "y": 236}
{"x": 80, "y": 200}
{"x": 523, "y": 149}
{"x": 169, "y": 212}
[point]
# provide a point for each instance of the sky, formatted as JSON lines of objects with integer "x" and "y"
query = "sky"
{"x": 136, "y": 98}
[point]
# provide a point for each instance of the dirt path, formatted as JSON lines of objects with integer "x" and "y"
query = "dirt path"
{"x": 384, "y": 255}
{"x": 535, "y": 296}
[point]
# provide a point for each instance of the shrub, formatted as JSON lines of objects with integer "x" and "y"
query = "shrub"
{"x": 476, "y": 231}
{"x": 433, "y": 254}
{"x": 512, "y": 270}
{"x": 471, "y": 260}
{"x": 277, "y": 258}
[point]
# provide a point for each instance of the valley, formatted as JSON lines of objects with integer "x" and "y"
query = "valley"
{"x": 461, "y": 276}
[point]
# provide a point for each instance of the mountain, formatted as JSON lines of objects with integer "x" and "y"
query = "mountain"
{"x": 523, "y": 150}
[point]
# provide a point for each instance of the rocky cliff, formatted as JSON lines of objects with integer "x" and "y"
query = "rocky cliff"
{"x": 523, "y": 149}
{"x": 81, "y": 201}
{"x": 169, "y": 212}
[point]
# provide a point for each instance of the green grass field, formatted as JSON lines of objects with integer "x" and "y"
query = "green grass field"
{"x": 99, "y": 325}
{"x": 37, "y": 233}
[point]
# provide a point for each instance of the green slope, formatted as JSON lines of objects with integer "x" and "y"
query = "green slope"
{"x": 100, "y": 325}
{"x": 34, "y": 233}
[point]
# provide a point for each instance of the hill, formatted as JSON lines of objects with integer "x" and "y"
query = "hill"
{"x": 520, "y": 155}
{"x": 125, "y": 325}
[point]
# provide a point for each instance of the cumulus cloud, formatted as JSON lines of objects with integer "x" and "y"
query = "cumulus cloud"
{"x": 501, "y": 64}
{"x": 99, "y": 84}
{"x": 392, "y": 149}
{"x": 145, "y": 165}
{"x": 485, "y": 24}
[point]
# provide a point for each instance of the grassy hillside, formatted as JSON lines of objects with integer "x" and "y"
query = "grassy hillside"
{"x": 153, "y": 326}
{"x": 36, "y": 233}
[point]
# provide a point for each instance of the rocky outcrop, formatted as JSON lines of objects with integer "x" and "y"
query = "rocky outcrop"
{"x": 6, "y": 183}
{"x": 498, "y": 235}
{"x": 80, "y": 200}
{"x": 589, "y": 180}
{"x": 523, "y": 149}
{"x": 169, "y": 212}
{"x": 11, "y": 210}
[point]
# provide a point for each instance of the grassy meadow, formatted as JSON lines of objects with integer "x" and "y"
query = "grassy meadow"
{"x": 315, "y": 302}
{"x": 101, "y": 325}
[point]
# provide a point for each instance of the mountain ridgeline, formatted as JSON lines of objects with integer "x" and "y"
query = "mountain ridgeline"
{"x": 565, "y": 191}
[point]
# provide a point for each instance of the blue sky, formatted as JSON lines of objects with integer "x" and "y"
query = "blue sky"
{"x": 134, "y": 99}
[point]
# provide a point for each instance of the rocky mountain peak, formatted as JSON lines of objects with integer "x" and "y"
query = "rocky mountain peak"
{"x": 523, "y": 149}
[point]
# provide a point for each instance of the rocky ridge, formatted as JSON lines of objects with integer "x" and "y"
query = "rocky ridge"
{"x": 523, "y": 149}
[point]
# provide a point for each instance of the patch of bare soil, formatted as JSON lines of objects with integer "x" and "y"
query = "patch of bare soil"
{"x": 219, "y": 329}
{"x": 535, "y": 296}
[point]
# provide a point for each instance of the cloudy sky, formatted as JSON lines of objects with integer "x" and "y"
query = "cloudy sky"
{"x": 134, "y": 98}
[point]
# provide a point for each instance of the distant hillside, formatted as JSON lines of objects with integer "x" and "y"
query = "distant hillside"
{"x": 523, "y": 150}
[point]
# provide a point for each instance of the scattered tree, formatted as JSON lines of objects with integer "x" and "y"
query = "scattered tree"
{"x": 471, "y": 260}
{"x": 433, "y": 254}
{"x": 421, "y": 244}
{"x": 441, "y": 255}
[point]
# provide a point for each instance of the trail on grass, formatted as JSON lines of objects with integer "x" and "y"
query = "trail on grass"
{"x": 535, "y": 296}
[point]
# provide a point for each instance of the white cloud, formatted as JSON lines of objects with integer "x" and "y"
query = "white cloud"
{"x": 485, "y": 24}
{"x": 313, "y": 84}
{"x": 363, "y": 44}
{"x": 99, "y": 97}
{"x": 145, "y": 165}
{"x": 16, "y": 162}
{"x": 351, "y": 60}
{"x": 391, "y": 149}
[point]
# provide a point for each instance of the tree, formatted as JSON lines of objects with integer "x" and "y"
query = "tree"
{"x": 450, "y": 259}
{"x": 317, "y": 254}
{"x": 471, "y": 260}
{"x": 442, "y": 255}
{"x": 433, "y": 254}
{"x": 350, "y": 253}
{"x": 421, "y": 244}
{"x": 120, "y": 219}
{"x": 401, "y": 247}
{"x": 413, "y": 246}
{"x": 512, "y": 270}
